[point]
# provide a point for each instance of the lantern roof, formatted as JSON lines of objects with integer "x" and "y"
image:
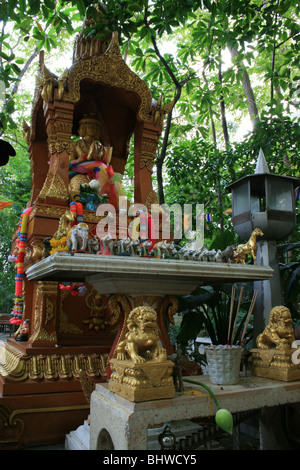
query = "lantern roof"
{"x": 261, "y": 164}
{"x": 261, "y": 172}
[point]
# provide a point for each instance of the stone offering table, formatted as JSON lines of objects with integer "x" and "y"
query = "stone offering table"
{"x": 140, "y": 281}
{"x": 138, "y": 275}
{"x": 119, "y": 424}
{"x": 131, "y": 282}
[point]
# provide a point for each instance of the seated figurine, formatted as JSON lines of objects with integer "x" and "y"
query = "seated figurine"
{"x": 24, "y": 331}
{"x": 142, "y": 340}
{"x": 279, "y": 331}
{"x": 89, "y": 160}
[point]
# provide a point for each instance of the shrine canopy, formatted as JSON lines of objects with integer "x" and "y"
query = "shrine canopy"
{"x": 99, "y": 84}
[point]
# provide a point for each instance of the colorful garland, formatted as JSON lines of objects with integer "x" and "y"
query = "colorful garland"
{"x": 74, "y": 289}
{"x": 104, "y": 173}
{"x": 17, "y": 312}
{"x": 76, "y": 209}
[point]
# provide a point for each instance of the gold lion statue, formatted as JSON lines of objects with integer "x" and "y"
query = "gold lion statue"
{"x": 279, "y": 331}
{"x": 141, "y": 342}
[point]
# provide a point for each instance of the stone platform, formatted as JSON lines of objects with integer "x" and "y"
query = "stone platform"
{"x": 119, "y": 424}
{"x": 136, "y": 275}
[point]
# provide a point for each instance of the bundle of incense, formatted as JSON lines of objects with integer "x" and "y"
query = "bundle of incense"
{"x": 236, "y": 316}
{"x": 249, "y": 315}
{"x": 230, "y": 314}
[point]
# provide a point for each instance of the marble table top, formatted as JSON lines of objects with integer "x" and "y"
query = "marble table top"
{"x": 138, "y": 275}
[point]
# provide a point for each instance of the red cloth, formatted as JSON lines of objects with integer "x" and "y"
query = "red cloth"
{"x": 109, "y": 188}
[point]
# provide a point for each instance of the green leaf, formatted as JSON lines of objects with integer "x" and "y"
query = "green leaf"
{"x": 34, "y": 7}
{"x": 50, "y": 4}
{"x": 22, "y": 5}
{"x": 81, "y": 7}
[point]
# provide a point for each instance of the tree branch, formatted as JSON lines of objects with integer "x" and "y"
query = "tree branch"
{"x": 24, "y": 69}
{"x": 248, "y": 90}
{"x": 212, "y": 122}
{"x": 222, "y": 104}
{"x": 20, "y": 76}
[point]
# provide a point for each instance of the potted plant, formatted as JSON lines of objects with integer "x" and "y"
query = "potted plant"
{"x": 226, "y": 323}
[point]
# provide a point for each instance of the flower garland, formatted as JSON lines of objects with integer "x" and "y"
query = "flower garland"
{"x": 77, "y": 209}
{"x": 58, "y": 245}
{"x": 17, "y": 312}
{"x": 74, "y": 289}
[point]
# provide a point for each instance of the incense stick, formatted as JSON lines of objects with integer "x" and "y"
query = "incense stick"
{"x": 230, "y": 314}
{"x": 249, "y": 314}
{"x": 236, "y": 315}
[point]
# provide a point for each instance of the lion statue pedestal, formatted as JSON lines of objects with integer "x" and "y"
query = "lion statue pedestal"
{"x": 140, "y": 370}
{"x": 275, "y": 356}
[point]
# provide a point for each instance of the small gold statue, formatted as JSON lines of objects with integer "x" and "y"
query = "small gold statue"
{"x": 89, "y": 146}
{"x": 249, "y": 248}
{"x": 91, "y": 160}
{"x": 140, "y": 370}
{"x": 59, "y": 240}
{"x": 279, "y": 331}
{"x": 273, "y": 357}
{"x": 142, "y": 340}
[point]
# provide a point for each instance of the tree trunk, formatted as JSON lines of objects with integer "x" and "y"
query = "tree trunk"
{"x": 163, "y": 151}
{"x": 212, "y": 123}
{"x": 20, "y": 76}
{"x": 252, "y": 107}
{"x": 162, "y": 154}
{"x": 222, "y": 106}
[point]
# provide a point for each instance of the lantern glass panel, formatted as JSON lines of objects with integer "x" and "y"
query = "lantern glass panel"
{"x": 241, "y": 199}
{"x": 255, "y": 204}
{"x": 280, "y": 195}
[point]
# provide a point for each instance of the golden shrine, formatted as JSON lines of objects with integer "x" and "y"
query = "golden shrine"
{"x": 98, "y": 99}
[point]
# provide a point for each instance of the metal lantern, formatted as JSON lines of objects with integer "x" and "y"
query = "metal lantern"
{"x": 265, "y": 201}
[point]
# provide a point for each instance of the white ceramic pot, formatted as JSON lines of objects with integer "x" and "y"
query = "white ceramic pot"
{"x": 223, "y": 364}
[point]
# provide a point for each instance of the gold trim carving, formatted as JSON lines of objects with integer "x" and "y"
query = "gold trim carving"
{"x": 147, "y": 161}
{"x": 168, "y": 307}
{"x": 111, "y": 69}
{"x": 98, "y": 318}
{"x": 120, "y": 308}
{"x": 150, "y": 198}
{"x": 55, "y": 187}
{"x": 44, "y": 289}
{"x": 144, "y": 300}
{"x": 148, "y": 150}
{"x": 18, "y": 367}
{"x": 48, "y": 211}
{"x": 43, "y": 335}
{"x": 49, "y": 311}
{"x": 64, "y": 144}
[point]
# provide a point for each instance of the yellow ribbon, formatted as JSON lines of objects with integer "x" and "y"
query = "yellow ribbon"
{"x": 196, "y": 393}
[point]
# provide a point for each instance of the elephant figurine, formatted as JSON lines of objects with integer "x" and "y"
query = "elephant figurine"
{"x": 77, "y": 241}
{"x": 93, "y": 245}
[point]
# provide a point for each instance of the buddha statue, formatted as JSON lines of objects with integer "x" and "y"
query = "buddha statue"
{"x": 89, "y": 147}
{"x": 90, "y": 160}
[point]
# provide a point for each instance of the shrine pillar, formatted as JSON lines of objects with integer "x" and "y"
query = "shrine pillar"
{"x": 59, "y": 122}
{"x": 146, "y": 142}
{"x": 44, "y": 321}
